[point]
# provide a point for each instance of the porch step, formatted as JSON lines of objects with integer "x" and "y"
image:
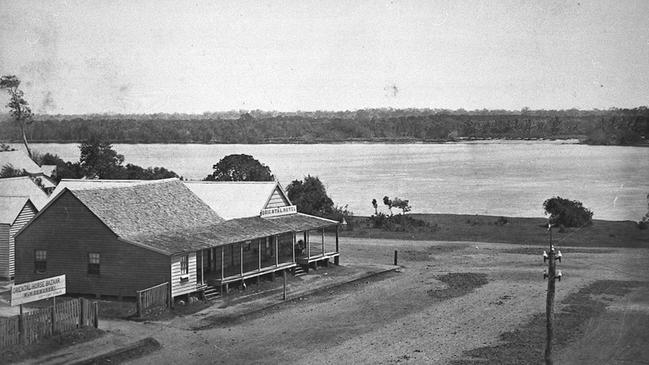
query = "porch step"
{"x": 298, "y": 271}
{"x": 210, "y": 292}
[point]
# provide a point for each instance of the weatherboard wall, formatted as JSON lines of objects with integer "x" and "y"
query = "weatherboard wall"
{"x": 277, "y": 199}
{"x": 183, "y": 283}
{"x": 4, "y": 251}
{"x": 68, "y": 231}
{"x": 26, "y": 214}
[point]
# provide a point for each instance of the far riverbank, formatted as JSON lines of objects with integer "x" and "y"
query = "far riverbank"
{"x": 525, "y": 231}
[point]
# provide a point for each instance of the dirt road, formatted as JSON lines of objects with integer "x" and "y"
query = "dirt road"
{"x": 401, "y": 317}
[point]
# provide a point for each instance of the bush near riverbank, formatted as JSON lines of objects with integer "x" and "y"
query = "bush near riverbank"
{"x": 526, "y": 231}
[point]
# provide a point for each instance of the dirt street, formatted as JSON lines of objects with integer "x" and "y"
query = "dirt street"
{"x": 410, "y": 316}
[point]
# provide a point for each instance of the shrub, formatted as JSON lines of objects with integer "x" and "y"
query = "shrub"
{"x": 567, "y": 213}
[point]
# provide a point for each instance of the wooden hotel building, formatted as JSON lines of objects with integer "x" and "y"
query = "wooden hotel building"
{"x": 117, "y": 237}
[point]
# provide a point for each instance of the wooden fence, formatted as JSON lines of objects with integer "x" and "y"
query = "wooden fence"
{"x": 155, "y": 296}
{"x": 32, "y": 326}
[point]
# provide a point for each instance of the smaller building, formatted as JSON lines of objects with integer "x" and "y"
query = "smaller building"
{"x": 19, "y": 160}
{"x": 15, "y": 213}
{"x": 24, "y": 186}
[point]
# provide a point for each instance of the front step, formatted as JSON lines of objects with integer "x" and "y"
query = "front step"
{"x": 210, "y": 292}
{"x": 298, "y": 271}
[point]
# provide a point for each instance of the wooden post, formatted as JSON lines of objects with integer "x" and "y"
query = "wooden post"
{"x": 395, "y": 257}
{"x": 96, "y": 319}
{"x": 202, "y": 273}
{"x": 337, "y": 258}
{"x": 171, "y": 297}
{"x": 138, "y": 303}
{"x": 323, "y": 248}
{"x": 276, "y": 250}
{"x": 222, "y": 266}
{"x": 21, "y": 326}
{"x": 241, "y": 257}
{"x": 80, "y": 312}
{"x": 284, "y": 295}
{"x": 549, "y": 304}
{"x": 294, "y": 238}
{"x": 259, "y": 255}
{"x": 308, "y": 245}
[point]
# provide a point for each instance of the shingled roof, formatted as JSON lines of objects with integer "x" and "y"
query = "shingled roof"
{"x": 148, "y": 209}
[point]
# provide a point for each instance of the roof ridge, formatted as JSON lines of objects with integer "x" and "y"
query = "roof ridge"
{"x": 229, "y": 182}
{"x": 16, "y": 178}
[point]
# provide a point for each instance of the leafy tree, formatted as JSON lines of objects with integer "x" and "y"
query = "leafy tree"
{"x": 568, "y": 213}
{"x": 310, "y": 196}
{"x": 134, "y": 172}
{"x": 404, "y": 205}
{"x": 376, "y": 207}
{"x": 20, "y": 110}
{"x": 99, "y": 160}
{"x": 64, "y": 170}
{"x": 10, "y": 171}
{"x": 240, "y": 167}
{"x": 388, "y": 202}
{"x": 644, "y": 222}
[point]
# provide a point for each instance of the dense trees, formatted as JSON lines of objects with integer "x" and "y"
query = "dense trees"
{"x": 20, "y": 110}
{"x": 567, "y": 213}
{"x": 614, "y": 126}
{"x": 98, "y": 160}
{"x": 310, "y": 196}
{"x": 240, "y": 167}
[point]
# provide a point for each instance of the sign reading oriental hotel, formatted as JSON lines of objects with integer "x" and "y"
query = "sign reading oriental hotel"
{"x": 271, "y": 212}
{"x": 37, "y": 290}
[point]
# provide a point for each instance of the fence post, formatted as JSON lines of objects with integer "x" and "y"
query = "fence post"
{"x": 395, "y": 257}
{"x": 21, "y": 326}
{"x": 80, "y": 312}
{"x": 53, "y": 312}
{"x": 138, "y": 303}
{"x": 96, "y": 319}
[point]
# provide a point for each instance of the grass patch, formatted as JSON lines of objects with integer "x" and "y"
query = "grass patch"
{"x": 538, "y": 251}
{"x": 49, "y": 345}
{"x": 526, "y": 231}
{"x": 458, "y": 284}
{"x": 133, "y": 351}
{"x": 526, "y": 345}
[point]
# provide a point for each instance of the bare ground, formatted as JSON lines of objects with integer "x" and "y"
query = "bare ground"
{"x": 449, "y": 300}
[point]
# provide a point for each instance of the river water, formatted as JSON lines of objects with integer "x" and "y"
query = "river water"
{"x": 510, "y": 178}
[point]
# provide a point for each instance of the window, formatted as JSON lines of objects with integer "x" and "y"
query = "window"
{"x": 93, "y": 263}
{"x": 40, "y": 261}
{"x": 184, "y": 265}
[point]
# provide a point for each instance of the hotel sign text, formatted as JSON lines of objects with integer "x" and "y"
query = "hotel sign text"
{"x": 269, "y": 212}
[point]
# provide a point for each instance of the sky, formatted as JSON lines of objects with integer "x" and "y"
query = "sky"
{"x": 76, "y": 57}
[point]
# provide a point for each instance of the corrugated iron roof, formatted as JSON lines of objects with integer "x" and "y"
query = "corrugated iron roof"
{"x": 19, "y": 160}
{"x": 23, "y": 186}
{"x": 10, "y": 208}
{"x": 230, "y": 231}
{"x": 302, "y": 222}
{"x": 234, "y": 199}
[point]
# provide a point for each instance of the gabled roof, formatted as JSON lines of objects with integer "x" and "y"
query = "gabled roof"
{"x": 19, "y": 160}
{"x": 11, "y": 206}
{"x": 85, "y": 184}
{"x": 235, "y": 199}
{"x": 23, "y": 186}
{"x": 147, "y": 209}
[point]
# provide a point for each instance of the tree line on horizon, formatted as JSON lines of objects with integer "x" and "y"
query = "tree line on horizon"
{"x": 613, "y": 126}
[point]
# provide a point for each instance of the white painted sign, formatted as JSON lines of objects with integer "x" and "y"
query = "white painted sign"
{"x": 37, "y": 290}
{"x": 269, "y": 212}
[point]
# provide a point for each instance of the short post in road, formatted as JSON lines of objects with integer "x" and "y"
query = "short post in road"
{"x": 552, "y": 256}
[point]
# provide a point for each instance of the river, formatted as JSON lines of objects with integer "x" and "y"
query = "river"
{"x": 509, "y": 178}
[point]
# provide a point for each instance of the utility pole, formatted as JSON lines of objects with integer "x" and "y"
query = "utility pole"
{"x": 552, "y": 256}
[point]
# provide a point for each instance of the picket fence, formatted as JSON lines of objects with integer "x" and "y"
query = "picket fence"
{"x": 33, "y": 326}
{"x": 155, "y": 296}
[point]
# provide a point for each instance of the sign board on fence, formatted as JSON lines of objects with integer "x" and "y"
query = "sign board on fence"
{"x": 37, "y": 290}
